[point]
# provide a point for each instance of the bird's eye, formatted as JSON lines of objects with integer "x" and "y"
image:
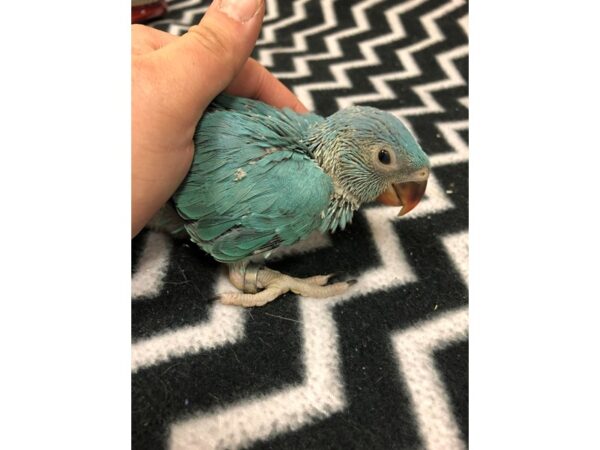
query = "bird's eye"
{"x": 384, "y": 156}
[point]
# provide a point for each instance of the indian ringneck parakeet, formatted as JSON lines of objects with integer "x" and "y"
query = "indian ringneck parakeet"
{"x": 262, "y": 178}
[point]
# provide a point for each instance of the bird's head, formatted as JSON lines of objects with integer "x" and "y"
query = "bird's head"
{"x": 372, "y": 155}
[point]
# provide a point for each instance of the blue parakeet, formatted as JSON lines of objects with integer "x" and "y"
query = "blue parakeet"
{"x": 264, "y": 177}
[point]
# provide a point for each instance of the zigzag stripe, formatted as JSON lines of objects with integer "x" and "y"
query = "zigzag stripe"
{"x": 148, "y": 279}
{"x": 393, "y": 18}
{"x": 424, "y": 91}
{"x": 225, "y": 325}
{"x": 332, "y": 42}
{"x": 450, "y": 131}
{"x": 457, "y": 246}
{"x": 320, "y": 395}
{"x": 265, "y": 56}
{"x": 272, "y": 10}
{"x": 414, "y": 350}
{"x": 464, "y": 24}
{"x": 269, "y": 30}
{"x": 454, "y": 79}
{"x": 405, "y": 55}
{"x": 367, "y": 47}
{"x": 334, "y": 50}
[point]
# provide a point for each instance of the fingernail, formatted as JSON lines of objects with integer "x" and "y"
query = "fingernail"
{"x": 240, "y": 10}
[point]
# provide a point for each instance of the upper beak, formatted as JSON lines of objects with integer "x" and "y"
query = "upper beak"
{"x": 408, "y": 195}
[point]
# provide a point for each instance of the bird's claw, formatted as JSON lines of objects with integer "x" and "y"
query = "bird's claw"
{"x": 275, "y": 284}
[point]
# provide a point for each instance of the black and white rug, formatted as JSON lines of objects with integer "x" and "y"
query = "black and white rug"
{"x": 384, "y": 366}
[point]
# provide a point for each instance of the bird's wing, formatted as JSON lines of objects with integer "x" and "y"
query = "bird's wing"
{"x": 251, "y": 187}
{"x": 279, "y": 125}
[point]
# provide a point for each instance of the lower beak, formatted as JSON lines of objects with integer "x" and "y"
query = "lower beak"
{"x": 408, "y": 195}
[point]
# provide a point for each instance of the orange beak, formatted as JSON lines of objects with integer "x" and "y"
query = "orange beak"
{"x": 408, "y": 195}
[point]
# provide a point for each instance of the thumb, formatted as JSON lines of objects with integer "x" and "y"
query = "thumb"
{"x": 205, "y": 60}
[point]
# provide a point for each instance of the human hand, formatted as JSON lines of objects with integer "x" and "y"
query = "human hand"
{"x": 174, "y": 79}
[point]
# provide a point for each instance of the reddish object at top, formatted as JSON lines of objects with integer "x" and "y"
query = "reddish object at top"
{"x": 144, "y": 10}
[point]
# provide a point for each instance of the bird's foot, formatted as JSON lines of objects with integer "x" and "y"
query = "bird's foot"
{"x": 252, "y": 278}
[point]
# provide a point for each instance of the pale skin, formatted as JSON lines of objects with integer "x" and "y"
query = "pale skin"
{"x": 174, "y": 79}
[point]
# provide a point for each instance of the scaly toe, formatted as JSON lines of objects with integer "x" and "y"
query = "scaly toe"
{"x": 316, "y": 291}
{"x": 229, "y": 298}
{"x": 248, "y": 300}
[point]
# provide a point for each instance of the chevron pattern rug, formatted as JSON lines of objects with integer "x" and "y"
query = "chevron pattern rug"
{"x": 385, "y": 366}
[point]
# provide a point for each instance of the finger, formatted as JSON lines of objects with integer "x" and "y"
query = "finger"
{"x": 254, "y": 81}
{"x": 145, "y": 39}
{"x": 204, "y": 61}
